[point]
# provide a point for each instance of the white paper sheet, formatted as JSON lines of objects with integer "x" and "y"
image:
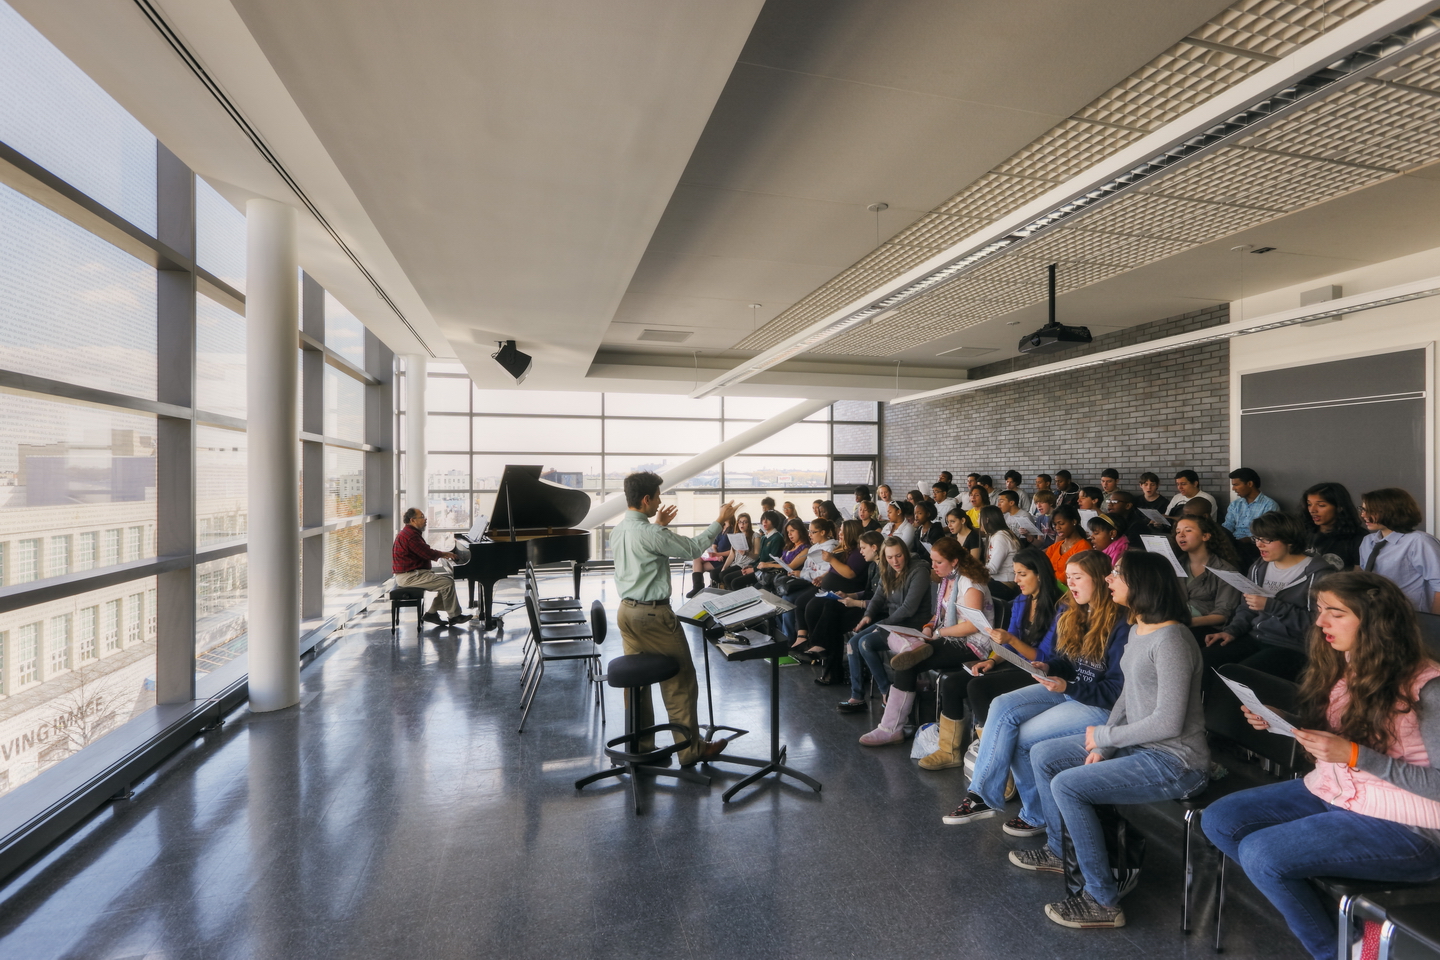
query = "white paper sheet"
{"x": 1087, "y": 515}
{"x": 1278, "y": 724}
{"x": 1161, "y": 546}
{"x": 1242, "y": 583}
{"x": 1021, "y": 523}
{"x": 1155, "y": 516}
{"x": 977, "y": 617}
{"x": 903, "y": 631}
{"x": 815, "y": 564}
{"x": 738, "y": 542}
{"x": 1005, "y": 653}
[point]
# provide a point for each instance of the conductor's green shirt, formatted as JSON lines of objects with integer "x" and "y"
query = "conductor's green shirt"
{"x": 642, "y": 552}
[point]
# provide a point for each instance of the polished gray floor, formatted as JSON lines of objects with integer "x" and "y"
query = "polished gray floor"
{"x": 397, "y": 814}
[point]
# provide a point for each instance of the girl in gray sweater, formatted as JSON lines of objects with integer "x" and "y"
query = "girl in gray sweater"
{"x": 1152, "y": 747}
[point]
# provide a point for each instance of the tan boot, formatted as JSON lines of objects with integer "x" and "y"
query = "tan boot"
{"x": 948, "y": 753}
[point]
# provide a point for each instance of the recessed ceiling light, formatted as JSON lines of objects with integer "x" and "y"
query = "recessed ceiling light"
{"x": 1012, "y": 323}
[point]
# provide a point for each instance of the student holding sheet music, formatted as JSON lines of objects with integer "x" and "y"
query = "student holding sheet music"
{"x": 927, "y": 530}
{"x": 1212, "y": 600}
{"x": 900, "y": 601}
{"x": 771, "y": 544}
{"x": 1083, "y": 681}
{"x": 1070, "y": 537}
{"x": 1370, "y": 716}
{"x": 1034, "y": 619}
{"x": 1151, "y": 748}
{"x": 957, "y": 521}
{"x": 962, "y": 583}
{"x": 1150, "y": 496}
{"x": 716, "y": 559}
{"x": 1267, "y": 632}
{"x": 837, "y": 566}
{"x": 828, "y": 618}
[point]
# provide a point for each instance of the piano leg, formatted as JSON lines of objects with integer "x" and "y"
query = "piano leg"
{"x": 487, "y": 599}
{"x": 579, "y": 569}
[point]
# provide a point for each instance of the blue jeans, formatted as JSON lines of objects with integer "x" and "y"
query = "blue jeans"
{"x": 1070, "y": 788}
{"x": 872, "y": 646}
{"x": 1282, "y": 833}
{"x": 1018, "y": 721}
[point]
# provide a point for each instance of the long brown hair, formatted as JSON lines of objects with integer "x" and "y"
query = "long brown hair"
{"x": 890, "y": 578}
{"x": 1381, "y": 667}
{"x": 1084, "y": 631}
{"x": 965, "y": 563}
{"x": 1218, "y": 545}
{"x": 850, "y": 531}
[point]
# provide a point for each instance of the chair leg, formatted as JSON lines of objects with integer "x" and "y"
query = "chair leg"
{"x": 1219, "y": 902}
{"x": 1387, "y": 939}
{"x": 1346, "y": 919}
{"x": 539, "y": 673}
{"x": 1189, "y": 873}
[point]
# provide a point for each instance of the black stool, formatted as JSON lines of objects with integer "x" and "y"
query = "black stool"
{"x": 406, "y": 597}
{"x": 634, "y": 673}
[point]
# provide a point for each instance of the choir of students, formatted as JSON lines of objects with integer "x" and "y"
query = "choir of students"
{"x": 1123, "y": 650}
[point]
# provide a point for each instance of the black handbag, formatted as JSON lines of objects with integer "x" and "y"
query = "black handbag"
{"x": 1124, "y": 844}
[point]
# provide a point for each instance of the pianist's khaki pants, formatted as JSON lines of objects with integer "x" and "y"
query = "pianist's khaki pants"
{"x": 442, "y": 583}
{"x": 654, "y": 629}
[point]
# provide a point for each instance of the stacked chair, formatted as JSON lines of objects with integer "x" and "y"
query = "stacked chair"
{"x": 560, "y": 629}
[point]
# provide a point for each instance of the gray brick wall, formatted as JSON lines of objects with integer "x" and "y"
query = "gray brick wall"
{"x": 1161, "y": 413}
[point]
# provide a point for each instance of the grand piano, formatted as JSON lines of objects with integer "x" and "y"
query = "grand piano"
{"x": 534, "y": 521}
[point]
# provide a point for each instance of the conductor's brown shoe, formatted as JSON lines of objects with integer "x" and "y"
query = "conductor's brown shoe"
{"x": 713, "y": 749}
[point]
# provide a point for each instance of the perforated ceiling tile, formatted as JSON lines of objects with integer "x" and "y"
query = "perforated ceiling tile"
{"x": 1149, "y": 215}
{"x": 937, "y": 230}
{"x": 1180, "y": 79}
{"x": 1421, "y": 70}
{"x": 1370, "y": 123}
{"x": 1257, "y": 178}
{"x": 1085, "y": 246}
{"x": 1276, "y": 27}
{"x": 873, "y": 342}
{"x": 993, "y": 196}
{"x": 1069, "y": 149}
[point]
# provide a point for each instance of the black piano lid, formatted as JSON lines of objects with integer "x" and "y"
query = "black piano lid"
{"x": 526, "y": 502}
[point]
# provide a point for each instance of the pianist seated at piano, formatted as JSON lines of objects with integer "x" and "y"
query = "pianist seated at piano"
{"x": 410, "y": 560}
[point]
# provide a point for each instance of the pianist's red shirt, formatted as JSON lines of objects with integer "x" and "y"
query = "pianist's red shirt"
{"x": 411, "y": 552}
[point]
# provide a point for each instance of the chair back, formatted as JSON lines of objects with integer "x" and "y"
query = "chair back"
{"x": 532, "y": 610}
{"x": 599, "y": 622}
{"x": 1223, "y": 716}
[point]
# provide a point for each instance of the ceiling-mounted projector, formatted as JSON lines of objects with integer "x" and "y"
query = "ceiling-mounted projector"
{"x": 516, "y": 364}
{"x": 1053, "y": 336}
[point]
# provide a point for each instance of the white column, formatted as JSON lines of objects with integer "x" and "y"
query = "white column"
{"x": 416, "y": 494}
{"x": 613, "y": 506}
{"x": 272, "y": 321}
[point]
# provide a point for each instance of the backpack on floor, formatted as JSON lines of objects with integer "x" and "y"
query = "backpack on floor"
{"x": 1125, "y": 845}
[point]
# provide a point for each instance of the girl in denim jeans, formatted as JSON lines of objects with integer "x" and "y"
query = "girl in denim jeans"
{"x": 1370, "y": 810}
{"x": 1152, "y": 747}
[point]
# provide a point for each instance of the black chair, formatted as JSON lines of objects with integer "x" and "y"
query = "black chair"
{"x": 541, "y": 634}
{"x": 1223, "y": 717}
{"x": 552, "y": 651}
{"x": 599, "y": 627}
{"x": 548, "y": 604}
{"x": 1419, "y": 921}
{"x": 634, "y": 673}
{"x": 1369, "y": 900}
{"x": 406, "y": 597}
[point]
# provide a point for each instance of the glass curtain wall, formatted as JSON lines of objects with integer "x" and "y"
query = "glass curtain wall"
{"x": 591, "y": 441}
{"x": 123, "y": 501}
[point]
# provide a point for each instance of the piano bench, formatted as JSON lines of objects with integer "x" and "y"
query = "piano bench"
{"x": 406, "y": 597}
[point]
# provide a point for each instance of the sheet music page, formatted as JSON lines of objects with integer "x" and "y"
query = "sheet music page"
{"x": 1155, "y": 516}
{"x": 903, "y": 631}
{"x": 977, "y": 617}
{"x": 1241, "y": 582}
{"x": 1005, "y": 653}
{"x": 1021, "y": 523}
{"x": 1278, "y": 724}
{"x": 482, "y": 523}
{"x": 1161, "y": 546}
{"x": 738, "y": 542}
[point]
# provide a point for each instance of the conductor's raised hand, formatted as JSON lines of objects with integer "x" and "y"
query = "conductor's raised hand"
{"x": 664, "y": 515}
{"x": 727, "y": 512}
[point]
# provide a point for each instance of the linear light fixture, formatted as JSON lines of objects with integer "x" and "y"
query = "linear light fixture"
{"x": 1388, "y": 31}
{"x": 1330, "y": 310}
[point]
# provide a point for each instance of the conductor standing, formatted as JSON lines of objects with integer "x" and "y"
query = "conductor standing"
{"x": 642, "y": 552}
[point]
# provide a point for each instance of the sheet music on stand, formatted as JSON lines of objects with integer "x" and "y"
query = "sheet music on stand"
{"x": 734, "y": 609}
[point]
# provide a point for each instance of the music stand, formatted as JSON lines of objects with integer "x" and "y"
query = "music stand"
{"x": 772, "y": 651}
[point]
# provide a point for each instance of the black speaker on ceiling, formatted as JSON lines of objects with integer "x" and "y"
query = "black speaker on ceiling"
{"x": 516, "y": 364}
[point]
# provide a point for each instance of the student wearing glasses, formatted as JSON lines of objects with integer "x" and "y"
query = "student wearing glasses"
{"x": 1395, "y": 549}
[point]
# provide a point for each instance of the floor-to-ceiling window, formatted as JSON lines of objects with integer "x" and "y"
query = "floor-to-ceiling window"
{"x": 123, "y": 501}
{"x": 590, "y": 441}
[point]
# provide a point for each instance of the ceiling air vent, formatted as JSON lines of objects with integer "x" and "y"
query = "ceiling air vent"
{"x": 665, "y": 336}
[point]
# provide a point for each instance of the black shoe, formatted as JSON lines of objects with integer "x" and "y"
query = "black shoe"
{"x": 852, "y": 706}
{"x": 463, "y": 618}
{"x": 433, "y": 618}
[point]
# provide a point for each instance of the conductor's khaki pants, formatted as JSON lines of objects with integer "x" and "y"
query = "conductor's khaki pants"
{"x": 648, "y": 628}
{"x": 442, "y": 583}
